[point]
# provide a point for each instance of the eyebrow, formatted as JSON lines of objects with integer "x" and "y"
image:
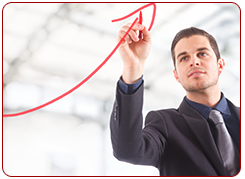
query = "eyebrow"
{"x": 199, "y": 49}
{"x": 203, "y": 48}
{"x": 183, "y": 53}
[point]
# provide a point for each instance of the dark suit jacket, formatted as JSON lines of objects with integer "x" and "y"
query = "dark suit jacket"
{"x": 176, "y": 141}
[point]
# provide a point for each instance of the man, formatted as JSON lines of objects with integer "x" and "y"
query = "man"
{"x": 184, "y": 141}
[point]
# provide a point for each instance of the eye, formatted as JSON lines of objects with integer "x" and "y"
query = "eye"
{"x": 202, "y": 54}
{"x": 183, "y": 59}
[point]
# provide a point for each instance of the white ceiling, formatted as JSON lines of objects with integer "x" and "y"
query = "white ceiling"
{"x": 48, "y": 48}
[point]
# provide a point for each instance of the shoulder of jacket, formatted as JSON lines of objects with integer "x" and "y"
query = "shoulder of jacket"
{"x": 231, "y": 104}
{"x": 165, "y": 112}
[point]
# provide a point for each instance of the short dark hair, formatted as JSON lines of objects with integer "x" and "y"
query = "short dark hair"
{"x": 185, "y": 33}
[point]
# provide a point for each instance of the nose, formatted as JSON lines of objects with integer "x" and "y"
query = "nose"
{"x": 195, "y": 62}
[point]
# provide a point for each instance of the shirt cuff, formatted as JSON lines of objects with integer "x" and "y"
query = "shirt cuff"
{"x": 129, "y": 88}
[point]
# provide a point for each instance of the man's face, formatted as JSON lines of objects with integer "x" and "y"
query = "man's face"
{"x": 196, "y": 64}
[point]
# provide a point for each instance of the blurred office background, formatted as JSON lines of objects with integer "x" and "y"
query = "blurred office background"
{"x": 48, "y": 48}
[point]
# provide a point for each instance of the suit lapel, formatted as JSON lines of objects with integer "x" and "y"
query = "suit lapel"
{"x": 200, "y": 128}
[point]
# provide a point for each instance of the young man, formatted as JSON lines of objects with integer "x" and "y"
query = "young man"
{"x": 193, "y": 140}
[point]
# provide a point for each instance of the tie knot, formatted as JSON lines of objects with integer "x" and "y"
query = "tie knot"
{"x": 216, "y": 117}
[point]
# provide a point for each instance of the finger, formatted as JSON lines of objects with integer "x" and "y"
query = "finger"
{"x": 120, "y": 36}
{"x": 137, "y": 26}
{"x": 146, "y": 35}
{"x": 132, "y": 33}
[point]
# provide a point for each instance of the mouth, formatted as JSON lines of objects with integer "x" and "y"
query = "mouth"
{"x": 196, "y": 73}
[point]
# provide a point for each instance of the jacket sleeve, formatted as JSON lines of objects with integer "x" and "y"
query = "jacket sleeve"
{"x": 130, "y": 142}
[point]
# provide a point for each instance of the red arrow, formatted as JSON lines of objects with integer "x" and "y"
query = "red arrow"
{"x": 97, "y": 69}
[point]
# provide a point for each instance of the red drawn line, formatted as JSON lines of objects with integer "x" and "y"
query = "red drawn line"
{"x": 137, "y": 10}
{"x": 96, "y": 70}
{"x": 140, "y": 21}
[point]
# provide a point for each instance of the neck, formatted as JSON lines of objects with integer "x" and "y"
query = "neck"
{"x": 208, "y": 97}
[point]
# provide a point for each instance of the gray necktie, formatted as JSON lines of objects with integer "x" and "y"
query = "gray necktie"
{"x": 225, "y": 144}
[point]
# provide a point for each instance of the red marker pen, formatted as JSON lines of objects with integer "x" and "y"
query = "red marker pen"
{"x": 140, "y": 21}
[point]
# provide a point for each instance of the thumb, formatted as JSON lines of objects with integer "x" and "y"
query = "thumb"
{"x": 146, "y": 35}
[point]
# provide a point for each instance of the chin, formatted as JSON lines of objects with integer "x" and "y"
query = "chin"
{"x": 200, "y": 86}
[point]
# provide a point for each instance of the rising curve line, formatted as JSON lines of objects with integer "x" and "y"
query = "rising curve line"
{"x": 98, "y": 68}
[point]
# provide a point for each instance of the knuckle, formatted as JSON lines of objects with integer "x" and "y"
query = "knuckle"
{"x": 121, "y": 33}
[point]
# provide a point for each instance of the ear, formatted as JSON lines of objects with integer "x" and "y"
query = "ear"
{"x": 221, "y": 65}
{"x": 176, "y": 76}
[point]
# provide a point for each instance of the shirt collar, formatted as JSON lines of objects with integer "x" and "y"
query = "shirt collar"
{"x": 222, "y": 106}
{"x": 204, "y": 110}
